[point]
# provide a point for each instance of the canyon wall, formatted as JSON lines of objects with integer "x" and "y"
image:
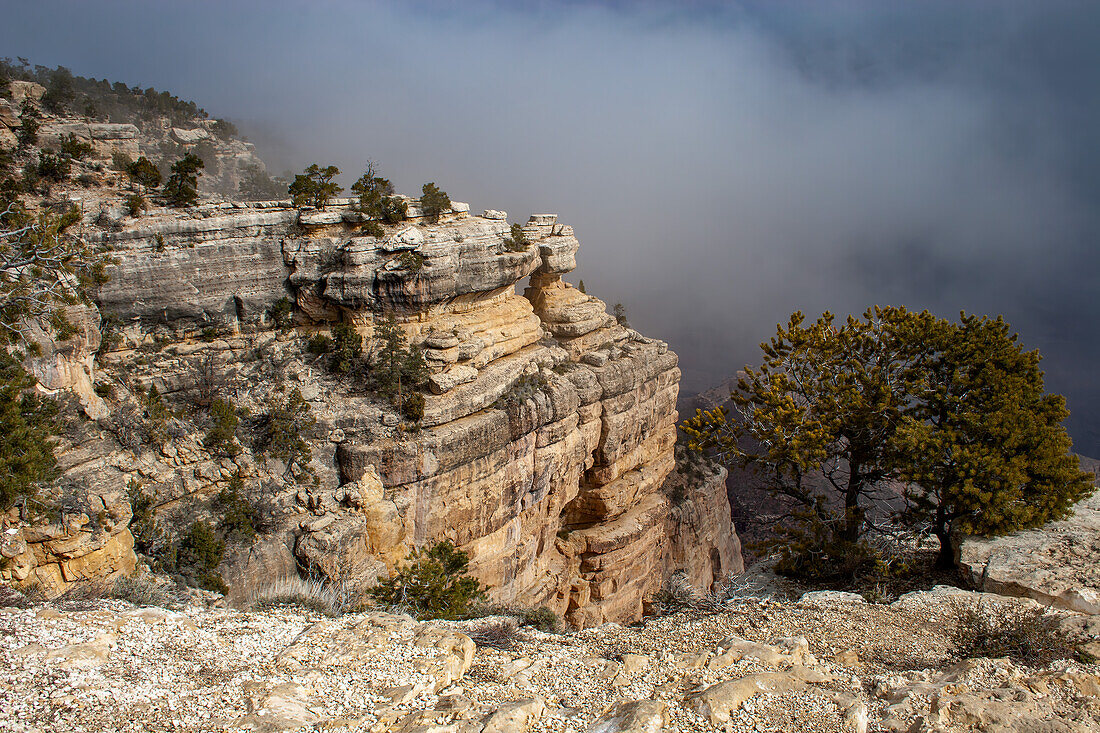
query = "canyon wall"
{"x": 546, "y": 443}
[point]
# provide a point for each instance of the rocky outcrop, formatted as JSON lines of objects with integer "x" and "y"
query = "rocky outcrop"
{"x": 1058, "y": 564}
{"x": 547, "y": 432}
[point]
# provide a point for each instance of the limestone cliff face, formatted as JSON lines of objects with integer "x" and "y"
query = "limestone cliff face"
{"x": 546, "y": 441}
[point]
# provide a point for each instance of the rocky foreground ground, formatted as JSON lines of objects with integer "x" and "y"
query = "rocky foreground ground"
{"x": 829, "y": 662}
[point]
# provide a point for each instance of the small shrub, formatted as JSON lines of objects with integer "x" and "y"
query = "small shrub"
{"x": 373, "y": 229}
{"x": 238, "y": 515}
{"x": 141, "y": 171}
{"x": 412, "y": 406}
{"x": 411, "y": 261}
{"x": 75, "y": 148}
{"x": 282, "y": 313}
{"x": 135, "y": 205}
{"x": 434, "y": 202}
{"x": 279, "y": 434}
{"x": 347, "y": 348}
{"x": 223, "y": 429}
{"x": 87, "y": 180}
{"x": 319, "y": 344}
{"x": 209, "y": 334}
{"x": 120, "y": 161}
{"x": 500, "y": 635}
{"x": 619, "y": 311}
{"x": 432, "y": 584}
{"x": 200, "y": 552}
{"x": 542, "y": 618}
{"x": 516, "y": 241}
{"x": 142, "y": 590}
{"x": 523, "y": 389}
{"x": 1025, "y": 635}
{"x": 53, "y": 167}
{"x": 158, "y": 242}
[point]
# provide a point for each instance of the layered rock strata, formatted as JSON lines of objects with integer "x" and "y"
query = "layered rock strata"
{"x": 548, "y": 428}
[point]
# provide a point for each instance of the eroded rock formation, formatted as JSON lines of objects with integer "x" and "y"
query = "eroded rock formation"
{"x": 547, "y": 434}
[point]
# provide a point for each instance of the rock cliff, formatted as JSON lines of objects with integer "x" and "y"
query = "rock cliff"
{"x": 547, "y": 434}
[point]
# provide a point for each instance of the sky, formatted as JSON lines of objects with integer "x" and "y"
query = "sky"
{"x": 723, "y": 164}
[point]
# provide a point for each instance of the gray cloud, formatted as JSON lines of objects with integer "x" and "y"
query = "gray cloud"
{"x": 723, "y": 165}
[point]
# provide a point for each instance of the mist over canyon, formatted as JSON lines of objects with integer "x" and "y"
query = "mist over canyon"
{"x": 725, "y": 165}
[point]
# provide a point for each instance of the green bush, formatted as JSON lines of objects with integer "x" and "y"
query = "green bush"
{"x": 432, "y": 584}
{"x": 223, "y": 428}
{"x": 75, "y": 148}
{"x": 315, "y": 186}
{"x": 373, "y": 229}
{"x": 182, "y": 187}
{"x": 434, "y": 202}
{"x": 26, "y": 426}
{"x": 239, "y": 517}
{"x": 319, "y": 344}
{"x": 347, "y": 348}
{"x": 199, "y": 554}
{"x": 411, "y": 261}
{"x": 542, "y": 618}
{"x": 135, "y": 205}
{"x": 516, "y": 241}
{"x": 141, "y": 171}
{"x": 282, "y": 313}
{"x": 53, "y": 167}
{"x": 26, "y": 134}
{"x": 280, "y": 434}
{"x": 412, "y": 406}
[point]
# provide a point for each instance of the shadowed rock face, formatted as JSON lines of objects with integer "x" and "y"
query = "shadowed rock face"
{"x": 547, "y": 437}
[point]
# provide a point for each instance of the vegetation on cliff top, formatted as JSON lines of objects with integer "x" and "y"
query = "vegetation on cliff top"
{"x": 838, "y": 417}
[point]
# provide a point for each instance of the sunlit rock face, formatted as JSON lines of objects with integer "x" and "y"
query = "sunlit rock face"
{"x": 548, "y": 428}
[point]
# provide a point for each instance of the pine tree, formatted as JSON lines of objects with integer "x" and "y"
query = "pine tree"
{"x": 955, "y": 411}
{"x": 434, "y": 202}
{"x": 182, "y": 187}
{"x": 26, "y": 426}
{"x": 315, "y": 186}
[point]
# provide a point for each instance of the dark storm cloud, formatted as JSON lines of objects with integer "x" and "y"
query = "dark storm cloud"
{"x": 723, "y": 164}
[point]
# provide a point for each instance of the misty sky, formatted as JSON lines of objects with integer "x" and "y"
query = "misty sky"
{"x": 723, "y": 164}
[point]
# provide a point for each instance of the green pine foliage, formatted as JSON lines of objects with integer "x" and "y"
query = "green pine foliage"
{"x": 376, "y": 199}
{"x": 347, "y": 348}
{"x": 142, "y": 171}
{"x": 398, "y": 370}
{"x": 432, "y": 584}
{"x": 516, "y": 240}
{"x": 220, "y": 438}
{"x": 315, "y": 186}
{"x": 282, "y": 432}
{"x": 199, "y": 553}
{"x": 182, "y": 187}
{"x": 434, "y": 202}
{"x": 956, "y": 412}
{"x": 26, "y": 429}
{"x": 238, "y": 515}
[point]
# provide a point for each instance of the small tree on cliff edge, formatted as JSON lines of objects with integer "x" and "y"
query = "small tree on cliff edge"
{"x": 315, "y": 186}
{"x": 434, "y": 202}
{"x": 956, "y": 411}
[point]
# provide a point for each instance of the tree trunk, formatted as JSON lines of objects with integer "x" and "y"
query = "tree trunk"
{"x": 942, "y": 529}
{"x": 853, "y": 517}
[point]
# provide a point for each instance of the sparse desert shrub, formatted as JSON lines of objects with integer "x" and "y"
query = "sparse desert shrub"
{"x": 142, "y": 590}
{"x": 53, "y": 167}
{"x": 347, "y": 347}
{"x": 279, "y": 434}
{"x": 373, "y": 229}
{"x": 523, "y": 389}
{"x": 500, "y": 635}
{"x": 135, "y": 205}
{"x": 75, "y": 148}
{"x": 282, "y": 313}
{"x": 319, "y": 344}
{"x": 412, "y": 406}
{"x": 432, "y": 584}
{"x": 1027, "y": 635}
{"x": 411, "y": 261}
{"x": 542, "y": 618}
{"x": 320, "y": 596}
